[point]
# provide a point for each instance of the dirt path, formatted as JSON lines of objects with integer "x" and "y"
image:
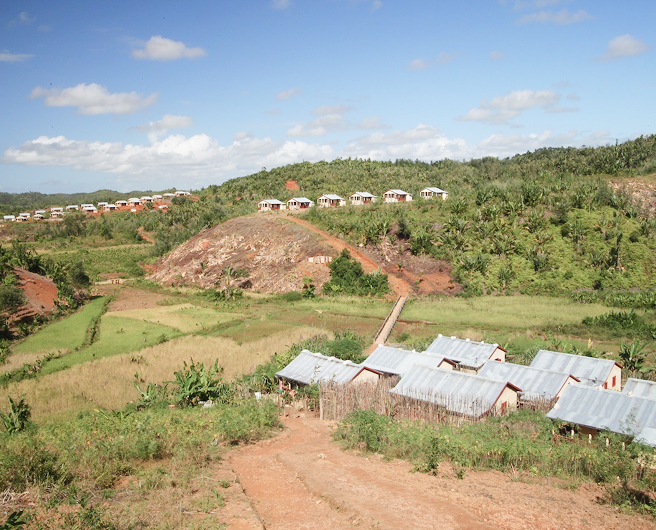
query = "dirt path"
{"x": 302, "y": 479}
{"x": 398, "y": 285}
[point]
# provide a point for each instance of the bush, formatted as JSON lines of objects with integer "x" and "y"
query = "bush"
{"x": 348, "y": 277}
{"x": 17, "y": 418}
{"x": 196, "y": 383}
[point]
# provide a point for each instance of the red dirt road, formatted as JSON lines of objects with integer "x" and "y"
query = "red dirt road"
{"x": 302, "y": 479}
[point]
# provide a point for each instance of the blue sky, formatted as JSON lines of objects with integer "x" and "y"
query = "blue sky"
{"x": 154, "y": 94}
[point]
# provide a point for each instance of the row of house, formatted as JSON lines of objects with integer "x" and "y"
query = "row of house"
{"x": 359, "y": 198}
{"x": 472, "y": 379}
{"x": 58, "y": 211}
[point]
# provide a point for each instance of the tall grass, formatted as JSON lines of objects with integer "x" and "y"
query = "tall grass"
{"x": 108, "y": 383}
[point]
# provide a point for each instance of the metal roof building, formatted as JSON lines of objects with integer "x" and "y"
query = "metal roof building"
{"x": 640, "y": 388}
{"x": 589, "y": 370}
{"x": 536, "y": 384}
{"x": 397, "y": 362}
{"x": 309, "y": 368}
{"x": 457, "y": 392}
{"x": 469, "y": 353}
{"x": 600, "y": 409}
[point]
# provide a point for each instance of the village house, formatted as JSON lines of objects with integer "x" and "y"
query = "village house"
{"x": 313, "y": 368}
{"x": 163, "y": 207}
{"x": 38, "y": 216}
{"x": 72, "y": 207}
{"x": 600, "y": 373}
{"x": 538, "y": 386}
{"x": 640, "y": 388}
{"x": 595, "y": 409}
{"x": 396, "y": 362}
{"x": 457, "y": 392}
{"x": 134, "y": 201}
{"x": 299, "y": 203}
{"x": 396, "y": 196}
{"x": 181, "y": 193}
{"x": 469, "y": 355}
{"x": 89, "y": 208}
{"x": 168, "y": 195}
{"x": 146, "y": 199}
{"x": 360, "y": 198}
{"x": 110, "y": 207}
{"x": 270, "y": 205}
{"x": 24, "y": 215}
{"x": 330, "y": 200}
{"x": 56, "y": 209}
{"x": 157, "y": 197}
{"x": 56, "y": 214}
{"x": 101, "y": 205}
{"x": 121, "y": 203}
{"x": 9, "y": 218}
{"x": 429, "y": 193}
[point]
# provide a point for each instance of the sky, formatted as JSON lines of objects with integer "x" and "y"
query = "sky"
{"x": 157, "y": 94}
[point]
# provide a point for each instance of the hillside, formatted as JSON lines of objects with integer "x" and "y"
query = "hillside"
{"x": 271, "y": 252}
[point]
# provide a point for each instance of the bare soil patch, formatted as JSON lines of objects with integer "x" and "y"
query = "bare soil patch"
{"x": 40, "y": 293}
{"x": 128, "y": 298}
{"x": 302, "y": 479}
{"x": 273, "y": 252}
{"x": 643, "y": 190}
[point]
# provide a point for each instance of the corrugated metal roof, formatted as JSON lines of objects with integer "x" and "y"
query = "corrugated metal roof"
{"x": 434, "y": 190}
{"x": 465, "y": 351}
{"x": 589, "y": 370}
{"x": 536, "y": 384}
{"x": 607, "y": 410}
{"x": 332, "y": 197}
{"x": 300, "y": 199}
{"x": 640, "y": 388}
{"x": 398, "y": 192}
{"x": 396, "y": 361}
{"x": 271, "y": 201}
{"x": 459, "y": 392}
{"x": 363, "y": 194}
{"x": 309, "y": 368}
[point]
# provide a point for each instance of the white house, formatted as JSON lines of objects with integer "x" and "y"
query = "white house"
{"x": 38, "y": 216}
{"x": 145, "y": 199}
{"x": 598, "y": 373}
{"x": 72, "y": 207}
{"x": 163, "y": 207}
{"x": 56, "y": 209}
{"x": 134, "y": 201}
{"x": 299, "y": 203}
{"x": 270, "y": 204}
{"x": 56, "y": 214}
{"x": 168, "y": 195}
{"x": 157, "y": 197}
{"x": 102, "y": 204}
{"x": 429, "y": 193}
{"x": 90, "y": 208}
{"x": 9, "y": 218}
{"x": 180, "y": 193}
{"x": 362, "y": 197}
{"x": 24, "y": 215}
{"x": 121, "y": 204}
{"x": 330, "y": 200}
{"x": 110, "y": 207}
{"x": 396, "y": 196}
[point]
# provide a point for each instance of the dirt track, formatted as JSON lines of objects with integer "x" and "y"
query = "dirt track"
{"x": 302, "y": 479}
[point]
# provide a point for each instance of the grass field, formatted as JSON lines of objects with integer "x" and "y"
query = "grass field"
{"x": 108, "y": 382}
{"x": 186, "y": 318}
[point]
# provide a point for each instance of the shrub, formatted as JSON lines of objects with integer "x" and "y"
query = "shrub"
{"x": 17, "y": 418}
{"x": 197, "y": 383}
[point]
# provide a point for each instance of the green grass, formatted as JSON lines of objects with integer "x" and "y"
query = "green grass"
{"x": 116, "y": 335}
{"x": 123, "y": 259}
{"x": 66, "y": 334}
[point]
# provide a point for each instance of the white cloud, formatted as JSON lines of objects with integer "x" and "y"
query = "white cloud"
{"x": 328, "y": 109}
{"x": 497, "y": 55}
{"x": 563, "y": 17}
{"x": 422, "y": 64}
{"x": 196, "y": 160}
{"x": 287, "y": 94}
{"x": 25, "y": 18}
{"x": 503, "y": 108}
{"x": 624, "y": 46}
{"x": 6, "y": 57}
{"x": 371, "y": 124}
{"x": 155, "y": 129}
{"x": 320, "y": 126}
{"x": 376, "y": 5}
{"x": 200, "y": 160}
{"x": 94, "y": 99}
{"x": 159, "y": 48}
{"x": 280, "y": 4}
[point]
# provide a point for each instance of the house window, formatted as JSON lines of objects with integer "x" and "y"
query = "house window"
{"x": 504, "y": 407}
{"x": 614, "y": 381}
{"x": 606, "y": 385}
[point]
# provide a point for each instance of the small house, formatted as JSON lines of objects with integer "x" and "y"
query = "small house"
{"x": 538, "y": 386}
{"x": 38, "y": 216}
{"x": 102, "y": 205}
{"x": 457, "y": 392}
{"x": 9, "y": 218}
{"x": 157, "y": 197}
{"x": 146, "y": 199}
{"x": 330, "y": 200}
{"x": 396, "y": 362}
{"x": 396, "y": 196}
{"x": 469, "y": 355}
{"x": 360, "y": 198}
{"x": 299, "y": 203}
{"x": 312, "y": 368}
{"x": 24, "y": 215}
{"x": 163, "y": 207}
{"x": 110, "y": 207}
{"x": 168, "y": 195}
{"x": 42, "y": 212}
{"x": 89, "y": 208}
{"x": 600, "y": 373}
{"x": 134, "y": 201}
{"x": 640, "y": 388}
{"x": 121, "y": 204}
{"x": 595, "y": 409}
{"x": 56, "y": 209}
{"x": 72, "y": 207}
{"x": 270, "y": 205}
{"x": 429, "y": 193}
{"x": 56, "y": 214}
{"x": 181, "y": 193}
